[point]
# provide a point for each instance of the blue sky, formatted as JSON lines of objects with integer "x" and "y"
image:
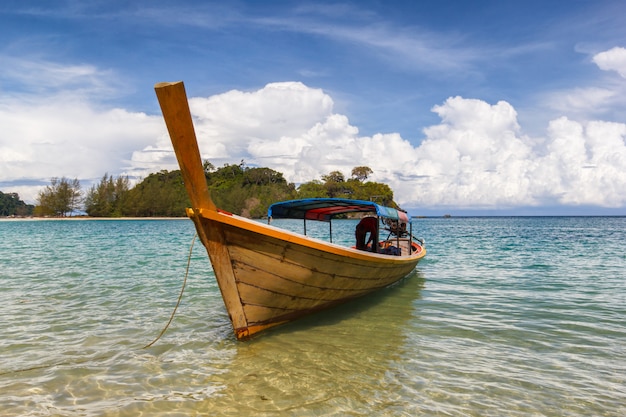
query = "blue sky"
{"x": 462, "y": 107}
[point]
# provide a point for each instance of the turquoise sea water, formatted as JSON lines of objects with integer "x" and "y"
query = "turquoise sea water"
{"x": 516, "y": 316}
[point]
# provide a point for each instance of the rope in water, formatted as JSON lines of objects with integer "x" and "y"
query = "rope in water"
{"x": 180, "y": 297}
{"x": 107, "y": 356}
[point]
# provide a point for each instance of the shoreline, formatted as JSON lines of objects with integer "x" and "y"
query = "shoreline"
{"x": 85, "y": 218}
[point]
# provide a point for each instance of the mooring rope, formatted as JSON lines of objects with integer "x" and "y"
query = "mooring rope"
{"x": 108, "y": 356}
{"x": 180, "y": 297}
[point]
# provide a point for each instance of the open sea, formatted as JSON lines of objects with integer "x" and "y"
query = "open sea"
{"x": 506, "y": 316}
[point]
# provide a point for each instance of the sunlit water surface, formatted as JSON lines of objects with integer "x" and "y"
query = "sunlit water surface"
{"x": 505, "y": 316}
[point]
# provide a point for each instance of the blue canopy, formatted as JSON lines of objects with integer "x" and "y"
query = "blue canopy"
{"x": 325, "y": 208}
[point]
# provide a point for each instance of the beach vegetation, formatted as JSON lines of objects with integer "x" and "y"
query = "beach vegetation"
{"x": 248, "y": 191}
{"x": 335, "y": 185}
{"x": 11, "y": 205}
{"x": 109, "y": 198}
{"x": 161, "y": 194}
{"x": 236, "y": 188}
{"x": 361, "y": 173}
{"x": 59, "y": 199}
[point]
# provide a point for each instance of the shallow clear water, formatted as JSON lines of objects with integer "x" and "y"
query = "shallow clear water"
{"x": 510, "y": 316}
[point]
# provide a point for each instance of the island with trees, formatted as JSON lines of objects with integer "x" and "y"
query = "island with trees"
{"x": 237, "y": 188}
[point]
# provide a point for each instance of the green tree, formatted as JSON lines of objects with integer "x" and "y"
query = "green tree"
{"x": 312, "y": 189}
{"x": 226, "y": 176}
{"x": 109, "y": 198}
{"x": 262, "y": 176}
{"x": 159, "y": 194}
{"x": 60, "y": 198}
{"x": 335, "y": 185}
{"x": 335, "y": 176}
{"x": 361, "y": 173}
{"x": 248, "y": 191}
{"x": 375, "y": 191}
{"x": 208, "y": 167}
{"x": 11, "y": 205}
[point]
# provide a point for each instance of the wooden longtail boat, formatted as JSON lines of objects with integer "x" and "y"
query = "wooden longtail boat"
{"x": 268, "y": 275}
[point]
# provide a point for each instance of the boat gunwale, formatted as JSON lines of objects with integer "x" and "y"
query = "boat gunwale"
{"x": 303, "y": 240}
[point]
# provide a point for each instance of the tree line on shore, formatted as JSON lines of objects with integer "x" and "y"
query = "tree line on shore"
{"x": 237, "y": 188}
{"x": 11, "y": 205}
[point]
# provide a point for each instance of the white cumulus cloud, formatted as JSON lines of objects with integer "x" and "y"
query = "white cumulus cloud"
{"x": 60, "y": 136}
{"x": 612, "y": 60}
{"x": 476, "y": 157}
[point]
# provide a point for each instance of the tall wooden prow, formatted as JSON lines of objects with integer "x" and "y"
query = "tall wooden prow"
{"x": 175, "y": 108}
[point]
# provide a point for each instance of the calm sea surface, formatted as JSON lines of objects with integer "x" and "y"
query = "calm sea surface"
{"x": 517, "y": 316}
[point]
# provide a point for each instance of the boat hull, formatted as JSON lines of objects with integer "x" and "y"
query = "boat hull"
{"x": 270, "y": 276}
